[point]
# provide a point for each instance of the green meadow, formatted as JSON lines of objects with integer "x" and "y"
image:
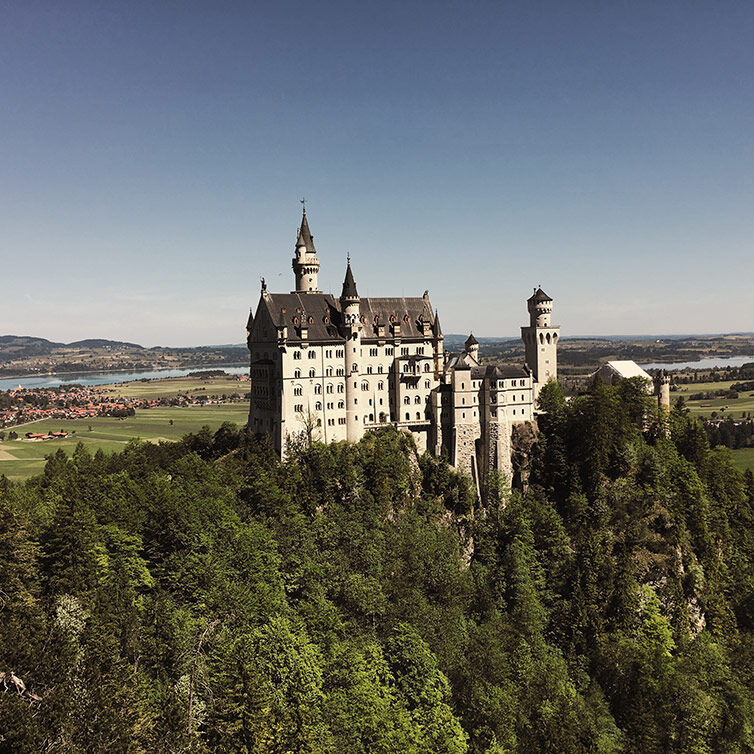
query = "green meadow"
{"x": 725, "y": 408}
{"x": 170, "y": 386}
{"x": 22, "y": 458}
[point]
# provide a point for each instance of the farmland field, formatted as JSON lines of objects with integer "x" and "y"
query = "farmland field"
{"x": 170, "y": 386}
{"x": 724, "y": 408}
{"x": 23, "y": 458}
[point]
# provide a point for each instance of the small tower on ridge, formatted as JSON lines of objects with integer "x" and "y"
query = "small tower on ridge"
{"x": 541, "y": 340}
{"x": 350, "y": 305}
{"x": 305, "y": 262}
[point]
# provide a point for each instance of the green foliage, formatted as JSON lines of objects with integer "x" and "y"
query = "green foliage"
{"x": 205, "y": 596}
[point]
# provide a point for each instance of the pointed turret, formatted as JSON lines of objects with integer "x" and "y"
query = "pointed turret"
{"x": 437, "y": 330}
{"x": 349, "y": 286}
{"x": 305, "y": 263}
{"x": 305, "y": 237}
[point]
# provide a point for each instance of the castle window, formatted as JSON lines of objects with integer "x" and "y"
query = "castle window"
{"x": 463, "y": 415}
{"x": 328, "y": 354}
{"x": 312, "y": 354}
{"x": 408, "y": 416}
{"x": 365, "y": 386}
{"x": 380, "y": 386}
{"x": 339, "y": 372}
{"x": 330, "y": 406}
{"x": 370, "y": 401}
{"x": 341, "y": 420}
{"x": 404, "y": 351}
{"x": 372, "y": 351}
{"x": 389, "y": 351}
{"x": 329, "y": 388}
{"x": 407, "y": 400}
{"x": 299, "y": 408}
{"x": 341, "y": 404}
{"x": 418, "y": 399}
{"x": 379, "y": 369}
{"x": 297, "y": 373}
{"x": 426, "y": 367}
{"x": 339, "y": 353}
{"x": 493, "y": 412}
{"x": 297, "y": 391}
{"x": 318, "y": 406}
{"x": 318, "y": 389}
{"x": 328, "y": 372}
{"x": 311, "y": 373}
{"x": 426, "y": 384}
{"x": 371, "y": 417}
{"x": 523, "y": 397}
{"x": 369, "y": 370}
{"x": 514, "y": 396}
{"x": 297, "y": 355}
{"x": 355, "y": 368}
{"x": 340, "y": 388}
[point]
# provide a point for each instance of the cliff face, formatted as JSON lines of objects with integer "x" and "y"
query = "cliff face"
{"x": 523, "y": 440}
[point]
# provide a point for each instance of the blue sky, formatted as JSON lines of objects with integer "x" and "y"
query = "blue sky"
{"x": 152, "y": 155}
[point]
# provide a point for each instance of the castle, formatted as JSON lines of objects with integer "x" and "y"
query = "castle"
{"x": 337, "y": 367}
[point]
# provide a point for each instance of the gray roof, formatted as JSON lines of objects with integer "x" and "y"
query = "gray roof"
{"x": 498, "y": 372}
{"x": 471, "y": 341}
{"x": 539, "y": 295}
{"x": 349, "y": 285}
{"x": 304, "y": 235}
{"x": 324, "y": 311}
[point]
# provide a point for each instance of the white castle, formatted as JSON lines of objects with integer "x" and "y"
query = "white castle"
{"x": 339, "y": 367}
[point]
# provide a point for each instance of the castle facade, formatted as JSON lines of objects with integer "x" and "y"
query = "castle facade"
{"x": 337, "y": 367}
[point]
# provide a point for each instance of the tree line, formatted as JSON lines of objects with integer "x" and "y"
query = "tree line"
{"x": 206, "y": 596}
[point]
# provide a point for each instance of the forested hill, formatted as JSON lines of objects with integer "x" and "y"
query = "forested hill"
{"x": 202, "y": 596}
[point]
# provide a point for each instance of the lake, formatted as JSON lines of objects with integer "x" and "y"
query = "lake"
{"x": 720, "y": 363}
{"x": 108, "y": 378}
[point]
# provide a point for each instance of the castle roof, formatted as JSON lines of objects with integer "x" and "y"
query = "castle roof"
{"x": 498, "y": 372}
{"x": 349, "y": 285}
{"x": 627, "y": 369}
{"x": 324, "y": 315}
{"x": 539, "y": 295}
{"x": 471, "y": 341}
{"x": 305, "y": 238}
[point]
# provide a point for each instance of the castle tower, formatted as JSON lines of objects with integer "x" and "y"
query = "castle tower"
{"x": 541, "y": 340}
{"x": 472, "y": 347}
{"x": 662, "y": 390}
{"x": 350, "y": 304}
{"x": 305, "y": 263}
{"x": 438, "y": 342}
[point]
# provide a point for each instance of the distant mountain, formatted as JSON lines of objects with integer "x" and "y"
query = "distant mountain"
{"x": 102, "y": 343}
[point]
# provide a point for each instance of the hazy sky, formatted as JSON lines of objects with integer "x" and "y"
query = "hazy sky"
{"x": 152, "y": 155}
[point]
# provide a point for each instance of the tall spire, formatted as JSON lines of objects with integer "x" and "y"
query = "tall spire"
{"x": 349, "y": 284}
{"x": 305, "y": 238}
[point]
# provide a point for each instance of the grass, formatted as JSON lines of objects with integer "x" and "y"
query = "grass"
{"x": 170, "y": 386}
{"x": 729, "y": 408}
{"x": 22, "y": 458}
{"x": 725, "y": 408}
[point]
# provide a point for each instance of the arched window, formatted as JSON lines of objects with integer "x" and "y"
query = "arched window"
{"x": 379, "y": 369}
{"x": 541, "y": 338}
{"x": 297, "y": 355}
{"x": 297, "y": 373}
{"x": 371, "y": 417}
{"x": 426, "y": 366}
{"x": 311, "y": 373}
{"x": 318, "y": 406}
{"x": 408, "y": 416}
{"x": 547, "y": 337}
{"x": 369, "y": 370}
{"x": 318, "y": 389}
{"x": 340, "y": 388}
{"x": 418, "y": 399}
{"x": 328, "y": 372}
{"x": 297, "y": 391}
{"x": 380, "y": 386}
{"x": 355, "y": 368}
{"x": 329, "y": 388}
{"x": 426, "y": 384}
{"x": 365, "y": 386}
{"x": 418, "y": 415}
{"x": 312, "y": 354}
{"x": 407, "y": 400}
{"x": 341, "y": 404}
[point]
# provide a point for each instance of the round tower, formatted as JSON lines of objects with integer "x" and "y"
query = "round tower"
{"x": 540, "y": 340}
{"x": 305, "y": 263}
{"x": 662, "y": 390}
{"x": 472, "y": 347}
{"x": 350, "y": 305}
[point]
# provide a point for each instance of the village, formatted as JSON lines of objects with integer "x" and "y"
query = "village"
{"x": 22, "y": 406}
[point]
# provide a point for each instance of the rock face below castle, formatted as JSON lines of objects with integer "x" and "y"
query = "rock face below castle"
{"x": 336, "y": 367}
